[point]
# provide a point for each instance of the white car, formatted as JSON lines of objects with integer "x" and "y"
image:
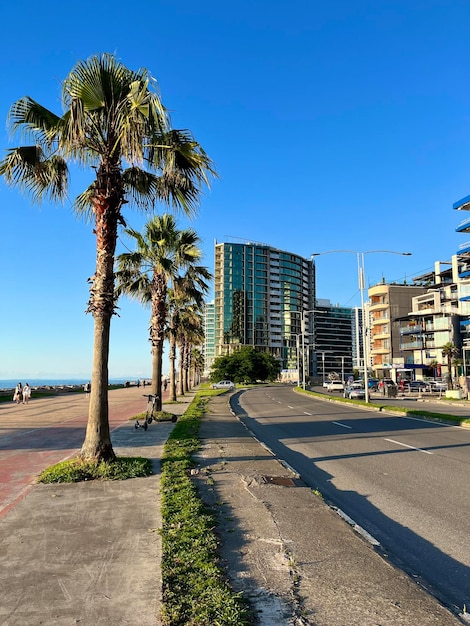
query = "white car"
{"x": 224, "y": 384}
{"x": 335, "y": 385}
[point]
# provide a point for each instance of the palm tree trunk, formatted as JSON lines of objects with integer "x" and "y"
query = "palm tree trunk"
{"x": 172, "y": 356}
{"x": 157, "y": 371}
{"x": 180, "y": 372}
{"x": 187, "y": 362}
{"x": 97, "y": 445}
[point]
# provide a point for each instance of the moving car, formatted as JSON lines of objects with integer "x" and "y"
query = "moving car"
{"x": 355, "y": 392}
{"x": 224, "y": 384}
{"x": 335, "y": 385}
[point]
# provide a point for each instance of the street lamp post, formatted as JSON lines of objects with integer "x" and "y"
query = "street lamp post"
{"x": 365, "y": 325}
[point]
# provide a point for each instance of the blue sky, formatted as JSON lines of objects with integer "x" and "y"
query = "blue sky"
{"x": 333, "y": 125}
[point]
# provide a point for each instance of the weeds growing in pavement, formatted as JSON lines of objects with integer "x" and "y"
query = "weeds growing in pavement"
{"x": 195, "y": 590}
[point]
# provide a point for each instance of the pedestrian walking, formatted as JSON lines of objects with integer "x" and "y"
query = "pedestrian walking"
{"x": 17, "y": 396}
{"x": 26, "y": 393}
{"x": 87, "y": 388}
{"x": 165, "y": 384}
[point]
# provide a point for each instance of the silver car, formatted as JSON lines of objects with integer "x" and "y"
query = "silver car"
{"x": 355, "y": 393}
{"x": 224, "y": 384}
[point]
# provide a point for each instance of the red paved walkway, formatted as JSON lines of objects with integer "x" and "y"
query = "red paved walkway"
{"x": 47, "y": 431}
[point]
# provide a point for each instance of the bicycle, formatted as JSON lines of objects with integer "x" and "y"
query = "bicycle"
{"x": 150, "y": 414}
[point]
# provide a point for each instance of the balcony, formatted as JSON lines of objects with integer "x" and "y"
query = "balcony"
{"x": 464, "y": 226}
{"x": 412, "y": 345}
{"x": 464, "y": 248}
{"x": 379, "y": 350}
{"x": 462, "y": 205}
{"x": 380, "y": 334}
{"x": 380, "y": 320}
{"x": 378, "y": 306}
{"x": 411, "y": 329}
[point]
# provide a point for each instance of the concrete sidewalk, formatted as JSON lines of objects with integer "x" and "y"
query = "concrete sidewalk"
{"x": 89, "y": 553}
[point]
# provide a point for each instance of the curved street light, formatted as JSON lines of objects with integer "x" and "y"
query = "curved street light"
{"x": 361, "y": 276}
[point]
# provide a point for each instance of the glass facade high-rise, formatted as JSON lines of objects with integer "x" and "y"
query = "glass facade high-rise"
{"x": 209, "y": 336}
{"x": 333, "y": 340}
{"x": 261, "y": 296}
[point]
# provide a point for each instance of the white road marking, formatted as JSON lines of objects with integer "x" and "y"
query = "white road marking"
{"x": 289, "y": 406}
{"x": 343, "y": 425}
{"x": 305, "y": 413}
{"x": 407, "y": 446}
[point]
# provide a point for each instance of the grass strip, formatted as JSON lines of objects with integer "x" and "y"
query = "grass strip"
{"x": 76, "y": 470}
{"x": 195, "y": 589}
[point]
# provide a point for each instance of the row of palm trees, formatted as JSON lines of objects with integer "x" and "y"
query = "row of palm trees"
{"x": 164, "y": 273}
{"x": 114, "y": 124}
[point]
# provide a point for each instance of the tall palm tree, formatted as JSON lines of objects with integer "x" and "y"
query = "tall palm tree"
{"x": 449, "y": 351}
{"x": 197, "y": 360}
{"x": 145, "y": 274}
{"x": 193, "y": 336}
{"x": 115, "y": 125}
{"x": 186, "y": 299}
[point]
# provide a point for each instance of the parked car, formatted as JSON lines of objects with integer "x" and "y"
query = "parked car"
{"x": 373, "y": 383}
{"x": 326, "y": 383}
{"x": 354, "y": 392}
{"x": 224, "y": 384}
{"x": 418, "y": 385}
{"x": 437, "y": 385}
{"x": 335, "y": 385}
{"x": 415, "y": 385}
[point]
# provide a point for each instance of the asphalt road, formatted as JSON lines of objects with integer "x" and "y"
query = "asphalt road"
{"x": 404, "y": 480}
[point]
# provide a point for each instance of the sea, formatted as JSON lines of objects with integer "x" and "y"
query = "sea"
{"x": 10, "y": 383}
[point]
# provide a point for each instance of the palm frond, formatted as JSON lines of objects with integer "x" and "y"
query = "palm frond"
{"x": 28, "y": 169}
{"x": 34, "y": 120}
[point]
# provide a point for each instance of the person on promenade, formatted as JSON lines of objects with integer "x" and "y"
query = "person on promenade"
{"x": 18, "y": 393}
{"x": 26, "y": 393}
{"x": 87, "y": 388}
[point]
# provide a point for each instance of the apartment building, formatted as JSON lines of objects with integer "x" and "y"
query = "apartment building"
{"x": 209, "y": 336}
{"x": 357, "y": 339}
{"x": 387, "y": 304}
{"x": 463, "y": 274}
{"x": 333, "y": 350}
{"x": 433, "y": 321}
{"x": 262, "y": 296}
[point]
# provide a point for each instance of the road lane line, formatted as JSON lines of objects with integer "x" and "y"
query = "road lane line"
{"x": 343, "y": 425}
{"x": 289, "y": 406}
{"x": 407, "y": 446}
{"x": 305, "y": 413}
